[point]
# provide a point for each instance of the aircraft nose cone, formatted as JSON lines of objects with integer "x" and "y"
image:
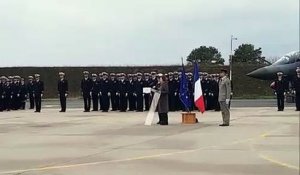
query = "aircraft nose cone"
{"x": 259, "y": 73}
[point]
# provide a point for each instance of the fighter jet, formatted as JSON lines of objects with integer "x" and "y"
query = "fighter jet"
{"x": 286, "y": 64}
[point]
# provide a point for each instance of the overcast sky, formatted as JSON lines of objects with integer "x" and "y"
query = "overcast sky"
{"x": 139, "y": 32}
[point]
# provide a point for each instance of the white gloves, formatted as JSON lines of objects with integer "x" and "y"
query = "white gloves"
{"x": 227, "y": 101}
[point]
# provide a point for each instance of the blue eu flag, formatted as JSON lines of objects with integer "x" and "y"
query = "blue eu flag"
{"x": 184, "y": 90}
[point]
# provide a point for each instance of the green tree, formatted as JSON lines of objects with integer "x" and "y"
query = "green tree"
{"x": 246, "y": 53}
{"x": 206, "y": 55}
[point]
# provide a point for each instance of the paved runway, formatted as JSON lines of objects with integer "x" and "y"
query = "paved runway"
{"x": 78, "y": 103}
{"x": 260, "y": 141}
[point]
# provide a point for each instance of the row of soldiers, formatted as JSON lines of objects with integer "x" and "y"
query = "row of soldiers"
{"x": 106, "y": 91}
{"x": 14, "y": 92}
{"x": 125, "y": 92}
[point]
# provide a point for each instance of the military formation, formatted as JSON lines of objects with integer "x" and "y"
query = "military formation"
{"x": 121, "y": 92}
{"x": 14, "y": 93}
{"x": 125, "y": 92}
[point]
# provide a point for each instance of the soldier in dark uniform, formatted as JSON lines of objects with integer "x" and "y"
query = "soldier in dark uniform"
{"x": 280, "y": 86}
{"x": 105, "y": 92}
{"x": 86, "y": 89}
{"x": 191, "y": 90}
{"x": 63, "y": 90}
{"x": 95, "y": 92}
{"x": 113, "y": 84}
{"x": 147, "y": 96}
{"x": 23, "y": 94}
{"x": 172, "y": 101}
{"x": 175, "y": 91}
{"x": 215, "y": 92}
{"x": 2, "y": 84}
{"x": 131, "y": 95}
{"x": 100, "y": 97}
{"x": 38, "y": 90}
{"x": 15, "y": 91}
{"x": 296, "y": 86}
{"x": 7, "y": 95}
{"x": 123, "y": 92}
{"x": 29, "y": 87}
{"x": 138, "y": 92}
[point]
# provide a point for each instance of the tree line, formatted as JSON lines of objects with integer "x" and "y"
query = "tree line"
{"x": 245, "y": 53}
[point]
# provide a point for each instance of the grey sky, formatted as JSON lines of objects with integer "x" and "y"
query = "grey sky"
{"x": 139, "y": 32}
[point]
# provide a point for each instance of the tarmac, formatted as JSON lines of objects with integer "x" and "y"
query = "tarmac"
{"x": 260, "y": 141}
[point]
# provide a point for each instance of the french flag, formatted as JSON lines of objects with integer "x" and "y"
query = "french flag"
{"x": 198, "y": 95}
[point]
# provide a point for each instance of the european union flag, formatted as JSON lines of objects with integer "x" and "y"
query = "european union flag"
{"x": 184, "y": 90}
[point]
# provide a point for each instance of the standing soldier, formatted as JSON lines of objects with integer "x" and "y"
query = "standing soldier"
{"x": 191, "y": 90}
{"x": 215, "y": 92}
{"x": 172, "y": 99}
{"x": 29, "y": 87}
{"x": 2, "y": 83}
{"x": 296, "y": 86}
{"x": 131, "y": 95}
{"x": 7, "y": 95}
{"x": 23, "y": 94}
{"x": 147, "y": 96}
{"x": 176, "y": 86}
{"x": 280, "y": 86}
{"x": 38, "y": 93}
{"x": 86, "y": 90}
{"x": 138, "y": 91}
{"x": 113, "y": 84}
{"x": 62, "y": 88}
{"x": 104, "y": 92}
{"x": 15, "y": 91}
{"x": 95, "y": 92}
{"x": 123, "y": 92}
{"x": 224, "y": 97}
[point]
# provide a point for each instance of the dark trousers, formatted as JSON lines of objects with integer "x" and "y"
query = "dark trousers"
{"x": 298, "y": 101}
{"x": 123, "y": 102}
{"x": 139, "y": 102}
{"x": 7, "y": 103}
{"x": 280, "y": 101}
{"x": 132, "y": 102}
{"x": 87, "y": 102}
{"x": 105, "y": 102}
{"x": 1, "y": 104}
{"x": 38, "y": 102}
{"x": 147, "y": 102}
{"x": 31, "y": 101}
{"x": 172, "y": 102}
{"x": 163, "y": 118}
{"x": 95, "y": 99}
{"x": 114, "y": 101}
{"x": 178, "y": 103}
{"x": 101, "y": 102}
{"x": 63, "y": 102}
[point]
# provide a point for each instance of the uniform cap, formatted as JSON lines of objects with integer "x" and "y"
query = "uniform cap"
{"x": 61, "y": 73}
{"x": 104, "y": 73}
{"x": 37, "y": 75}
{"x": 160, "y": 75}
{"x": 30, "y": 77}
{"x": 112, "y": 74}
{"x": 85, "y": 72}
{"x": 139, "y": 74}
{"x": 94, "y": 75}
{"x": 279, "y": 73}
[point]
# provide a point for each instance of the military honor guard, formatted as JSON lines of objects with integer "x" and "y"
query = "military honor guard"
{"x": 123, "y": 93}
{"x": 147, "y": 97}
{"x": 38, "y": 90}
{"x": 224, "y": 97}
{"x": 29, "y": 86}
{"x": 280, "y": 87}
{"x": 131, "y": 93}
{"x": 63, "y": 91}
{"x": 104, "y": 92}
{"x": 95, "y": 92}
{"x": 296, "y": 86}
{"x": 23, "y": 94}
{"x": 86, "y": 90}
{"x": 114, "y": 99}
{"x": 2, "y": 101}
{"x": 138, "y": 92}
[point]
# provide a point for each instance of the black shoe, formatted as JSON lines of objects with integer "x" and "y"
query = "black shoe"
{"x": 158, "y": 123}
{"x": 164, "y": 123}
{"x": 37, "y": 111}
{"x": 104, "y": 110}
{"x": 224, "y": 125}
{"x": 62, "y": 111}
{"x": 297, "y": 110}
{"x": 86, "y": 111}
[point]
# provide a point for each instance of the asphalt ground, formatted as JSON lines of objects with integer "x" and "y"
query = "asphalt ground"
{"x": 260, "y": 141}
